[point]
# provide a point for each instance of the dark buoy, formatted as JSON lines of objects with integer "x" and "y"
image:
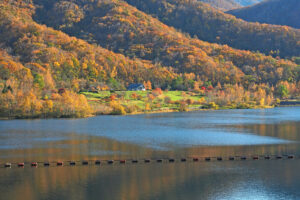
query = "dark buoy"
{"x": 231, "y": 158}
{"x": 85, "y": 162}
{"x": 278, "y": 157}
{"x": 267, "y": 157}
{"x": 134, "y": 161}
{"x": 171, "y": 160}
{"x": 147, "y": 160}
{"x": 34, "y": 164}
{"x": 46, "y": 164}
{"x": 7, "y": 165}
{"x": 110, "y": 162}
{"x": 21, "y": 164}
{"x": 207, "y": 159}
{"x": 219, "y": 158}
{"x": 183, "y": 159}
{"x": 159, "y": 160}
{"x": 72, "y": 163}
{"x": 122, "y": 161}
{"x": 97, "y": 162}
{"x": 255, "y": 157}
{"x": 59, "y": 163}
{"x": 195, "y": 159}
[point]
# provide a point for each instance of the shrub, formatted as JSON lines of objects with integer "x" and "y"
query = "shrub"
{"x": 132, "y": 109}
{"x": 190, "y": 101}
{"x": 157, "y": 91}
{"x": 151, "y": 97}
{"x": 183, "y": 107}
{"x": 158, "y": 105}
{"x": 147, "y": 107}
{"x": 112, "y": 97}
{"x": 211, "y": 105}
{"x": 117, "y": 108}
{"x": 243, "y": 106}
{"x": 134, "y": 95}
{"x": 167, "y": 100}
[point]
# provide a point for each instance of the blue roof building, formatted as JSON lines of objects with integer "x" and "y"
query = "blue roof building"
{"x": 136, "y": 87}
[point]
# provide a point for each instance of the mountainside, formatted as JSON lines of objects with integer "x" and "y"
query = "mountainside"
{"x": 280, "y": 12}
{"x": 212, "y": 25}
{"x": 106, "y": 45}
{"x": 32, "y": 42}
{"x": 222, "y": 4}
{"x": 36, "y": 61}
{"x": 124, "y": 29}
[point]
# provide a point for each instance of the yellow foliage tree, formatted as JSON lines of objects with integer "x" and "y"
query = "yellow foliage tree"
{"x": 196, "y": 86}
{"x": 262, "y": 102}
{"x": 147, "y": 107}
{"x": 117, "y": 108}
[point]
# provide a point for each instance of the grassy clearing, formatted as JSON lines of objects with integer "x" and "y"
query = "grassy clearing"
{"x": 144, "y": 101}
{"x": 134, "y": 102}
{"x": 173, "y": 95}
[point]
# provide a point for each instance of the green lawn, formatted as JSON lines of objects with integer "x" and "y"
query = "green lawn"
{"x": 149, "y": 101}
{"x": 125, "y": 98}
{"x": 127, "y": 95}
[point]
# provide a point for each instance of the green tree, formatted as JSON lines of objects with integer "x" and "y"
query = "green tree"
{"x": 39, "y": 80}
{"x": 282, "y": 91}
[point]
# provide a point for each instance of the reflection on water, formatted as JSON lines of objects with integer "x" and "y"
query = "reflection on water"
{"x": 226, "y": 180}
{"x": 207, "y": 133}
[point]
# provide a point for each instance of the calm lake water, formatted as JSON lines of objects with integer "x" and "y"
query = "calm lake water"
{"x": 206, "y": 133}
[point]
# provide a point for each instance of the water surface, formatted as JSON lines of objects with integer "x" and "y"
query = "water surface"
{"x": 206, "y": 133}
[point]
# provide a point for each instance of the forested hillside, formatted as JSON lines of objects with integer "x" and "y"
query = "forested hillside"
{"x": 107, "y": 45}
{"x": 212, "y": 25}
{"x": 36, "y": 61}
{"x": 279, "y": 12}
{"x": 124, "y": 29}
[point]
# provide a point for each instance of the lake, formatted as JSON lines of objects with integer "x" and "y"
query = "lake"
{"x": 155, "y": 136}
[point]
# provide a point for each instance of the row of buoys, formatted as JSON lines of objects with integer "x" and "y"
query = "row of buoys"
{"x": 170, "y": 160}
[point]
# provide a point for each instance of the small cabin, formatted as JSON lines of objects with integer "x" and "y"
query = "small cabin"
{"x": 136, "y": 87}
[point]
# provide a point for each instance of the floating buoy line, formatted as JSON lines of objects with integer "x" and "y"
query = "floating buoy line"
{"x": 147, "y": 161}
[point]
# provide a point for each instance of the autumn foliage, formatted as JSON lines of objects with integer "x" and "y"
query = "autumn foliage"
{"x": 95, "y": 46}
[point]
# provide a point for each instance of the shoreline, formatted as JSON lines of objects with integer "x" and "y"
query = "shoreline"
{"x": 150, "y": 112}
{"x": 196, "y": 110}
{"x": 289, "y": 103}
{"x": 142, "y": 113}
